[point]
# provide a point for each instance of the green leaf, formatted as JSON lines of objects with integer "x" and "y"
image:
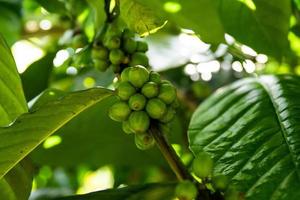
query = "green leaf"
{"x": 16, "y": 184}
{"x": 54, "y": 6}
{"x": 36, "y": 77}
{"x": 146, "y": 192}
{"x": 10, "y": 14}
{"x": 139, "y": 17}
{"x": 30, "y": 129}
{"x": 251, "y": 129}
{"x": 98, "y": 12}
{"x": 12, "y": 101}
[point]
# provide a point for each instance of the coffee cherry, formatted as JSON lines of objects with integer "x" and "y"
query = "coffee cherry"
{"x": 129, "y": 45}
{"x": 138, "y": 76}
{"x": 155, "y": 77}
{"x": 220, "y": 182}
{"x": 156, "y": 108}
{"x": 126, "y": 127}
{"x": 167, "y": 93}
{"x": 168, "y": 116}
{"x": 119, "y": 111}
{"x": 115, "y": 68}
{"x": 100, "y": 65}
{"x": 144, "y": 141}
{"x": 137, "y": 102}
{"x": 100, "y": 53}
{"x": 125, "y": 74}
{"x": 142, "y": 46}
{"x": 139, "y": 58}
{"x": 116, "y": 56}
{"x": 128, "y": 33}
{"x": 114, "y": 42}
{"x": 139, "y": 121}
{"x": 203, "y": 165}
{"x": 125, "y": 90}
{"x": 150, "y": 90}
{"x": 186, "y": 190}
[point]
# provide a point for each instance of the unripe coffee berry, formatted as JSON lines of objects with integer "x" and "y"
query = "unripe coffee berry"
{"x": 126, "y": 127}
{"x": 139, "y": 58}
{"x": 142, "y": 46}
{"x": 156, "y": 108}
{"x": 137, "y": 102}
{"x": 119, "y": 111}
{"x": 114, "y": 42}
{"x": 150, "y": 90}
{"x": 139, "y": 121}
{"x": 129, "y": 45}
{"x": 144, "y": 141}
{"x": 128, "y": 33}
{"x": 125, "y": 74}
{"x": 125, "y": 90}
{"x": 168, "y": 116}
{"x": 220, "y": 182}
{"x": 100, "y": 65}
{"x": 138, "y": 76}
{"x": 167, "y": 93}
{"x": 100, "y": 53}
{"x": 154, "y": 77}
{"x": 116, "y": 56}
{"x": 203, "y": 165}
{"x": 186, "y": 190}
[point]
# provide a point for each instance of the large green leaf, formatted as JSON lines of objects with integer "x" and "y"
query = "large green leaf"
{"x": 12, "y": 101}
{"x": 145, "y": 192}
{"x": 99, "y": 145}
{"x": 30, "y": 129}
{"x": 251, "y": 129}
{"x": 139, "y": 17}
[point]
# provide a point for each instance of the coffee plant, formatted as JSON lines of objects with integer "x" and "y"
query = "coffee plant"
{"x": 149, "y": 100}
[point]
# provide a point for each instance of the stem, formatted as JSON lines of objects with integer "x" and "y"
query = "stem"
{"x": 170, "y": 155}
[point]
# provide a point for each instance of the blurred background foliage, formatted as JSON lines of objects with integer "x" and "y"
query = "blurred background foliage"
{"x": 200, "y": 46}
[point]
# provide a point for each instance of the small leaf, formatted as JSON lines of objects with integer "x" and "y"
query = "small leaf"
{"x": 54, "y": 6}
{"x": 251, "y": 129}
{"x": 30, "y": 129}
{"x": 139, "y": 17}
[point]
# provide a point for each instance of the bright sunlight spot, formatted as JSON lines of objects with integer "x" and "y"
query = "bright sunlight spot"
{"x": 45, "y": 24}
{"x": 172, "y": 7}
{"x": 99, "y": 180}
{"x": 61, "y": 57}
{"x": 25, "y": 53}
{"x": 89, "y": 82}
{"x": 52, "y": 141}
{"x": 249, "y": 3}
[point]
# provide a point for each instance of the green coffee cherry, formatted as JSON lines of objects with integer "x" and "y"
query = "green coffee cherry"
{"x": 138, "y": 76}
{"x": 100, "y": 53}
{"x": 142, "y": 46}
{"x": 114, "y": 42}
{"x": 139, "y": 121}
{"x": 115, "y": 68}
{"x": 129, "y": 45}
{"x": 186, "y": 190}
{"x": 137, "y": 102}
{"x": 156, "y": 108}
{"x": 125, "y": 90}
{"x": 119, "y": 111}
{"x": 168, "y": 116}
{"x": 167, "y": 93}
{"x": 126, "y": 127}
{"x": 128, "y": 33}
{"x": 144, "y": 141}
{"x": 100, "y": 65}
{"x": 139, "y": 58}
{"x": 79, "y": 41}
{"x": 220, "y": 182}
{"x": 150, "y": 90}
{"x": 116, "y": 56}
{"x": 155, "y": 77}
{"x": 203, "y": 165}
{"x": 125, "y": 74}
